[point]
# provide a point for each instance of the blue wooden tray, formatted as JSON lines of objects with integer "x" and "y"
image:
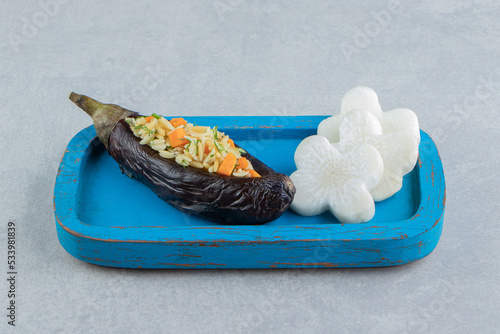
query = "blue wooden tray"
{"x": 104, "y": 217}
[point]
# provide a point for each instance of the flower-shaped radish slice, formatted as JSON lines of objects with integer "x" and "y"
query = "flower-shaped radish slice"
{"x": 399, "y": 150}
{"x": 400, "y": 120}
{"x": 357, "y": 98}
{"x": 327, "y": 179}
{"x": 361, "y": 97}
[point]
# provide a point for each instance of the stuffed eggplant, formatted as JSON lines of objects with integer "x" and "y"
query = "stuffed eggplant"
{"x": 201, "y": 171}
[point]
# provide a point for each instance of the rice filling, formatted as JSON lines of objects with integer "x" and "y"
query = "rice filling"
{"x": 201, "y": 147}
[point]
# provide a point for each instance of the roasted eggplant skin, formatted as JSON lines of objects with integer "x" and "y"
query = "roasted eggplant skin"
{"x": 223, "y": 199}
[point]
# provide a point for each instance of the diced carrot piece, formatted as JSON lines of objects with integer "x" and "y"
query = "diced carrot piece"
{"x": 242, "y": 163}
{"x": 149, "y": 118}
{"x": 207, "y": 149}
{"x": 230, "y": 142}
{"x": 177, "y": 137}
{"x": 253, "y": 173}
{"x": 227, "y": 165}
{"x": 178, "y": 121}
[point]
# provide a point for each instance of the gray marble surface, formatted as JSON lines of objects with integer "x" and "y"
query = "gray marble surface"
{"x": 232, "y": 57}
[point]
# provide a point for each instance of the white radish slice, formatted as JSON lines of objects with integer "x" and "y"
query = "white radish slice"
{"x": 329, "y": 128}
{"x": 399, "y": 153}
{"x": 365, "y": 98}
{"x": 327, "y": 179}
{"x": 361, "y": 97}
{"x": 357, "y": 98}
{"x": 398, "y": 149}
{"x": 400, "y": 120}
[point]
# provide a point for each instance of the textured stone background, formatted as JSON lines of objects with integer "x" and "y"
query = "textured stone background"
{"x": 231, "y": 57}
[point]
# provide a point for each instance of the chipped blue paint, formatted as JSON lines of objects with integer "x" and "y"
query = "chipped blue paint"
{"x": 105, "y": 218}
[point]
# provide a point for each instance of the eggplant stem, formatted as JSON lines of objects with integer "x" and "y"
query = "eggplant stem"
{"x": 104, "y": 116}
{"x": 87, "y": 104}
